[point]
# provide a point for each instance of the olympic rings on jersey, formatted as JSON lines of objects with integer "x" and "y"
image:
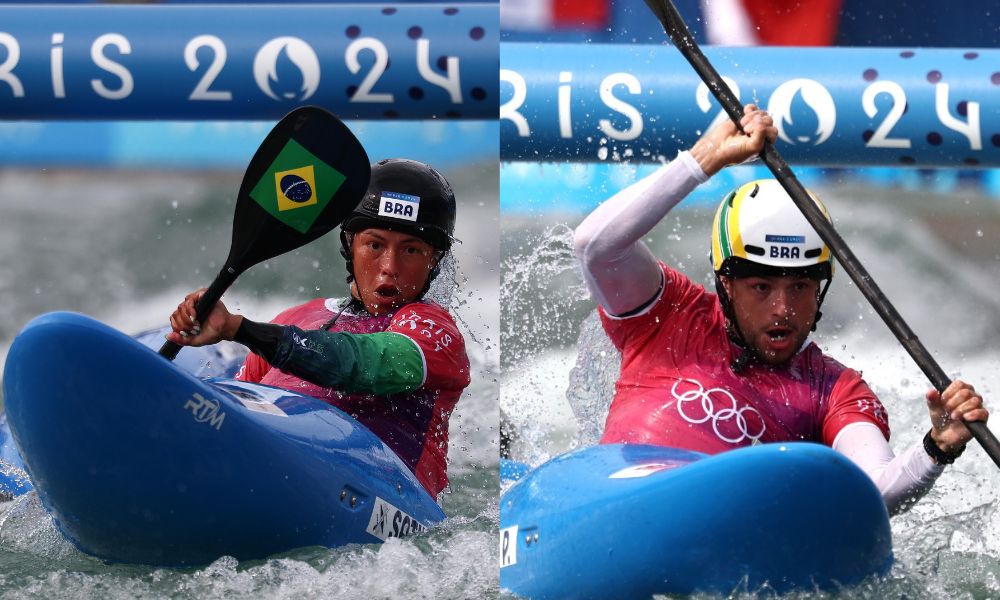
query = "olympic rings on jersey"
{"x": 724, "y": 415}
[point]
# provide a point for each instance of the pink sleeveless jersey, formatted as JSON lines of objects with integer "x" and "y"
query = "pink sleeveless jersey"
{"x": 414, "y": 424}
{"x": 677, "y": 387}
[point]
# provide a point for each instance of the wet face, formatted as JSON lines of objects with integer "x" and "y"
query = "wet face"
{"x": 390, "y": 268}
{"x": 774, "y": 314}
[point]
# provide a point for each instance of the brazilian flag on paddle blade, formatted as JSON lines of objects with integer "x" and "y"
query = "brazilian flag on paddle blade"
{"x": 297, "y": 187}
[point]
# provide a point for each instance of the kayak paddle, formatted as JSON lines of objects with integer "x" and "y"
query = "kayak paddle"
{"x": 681, "y": 36}
{"x": 309, "y": 173}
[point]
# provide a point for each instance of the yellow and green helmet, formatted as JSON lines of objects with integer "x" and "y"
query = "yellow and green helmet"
{"x": 758, "y": 230}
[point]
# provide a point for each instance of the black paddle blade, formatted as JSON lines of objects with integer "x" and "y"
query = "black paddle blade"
{"x": 308, "y": 175}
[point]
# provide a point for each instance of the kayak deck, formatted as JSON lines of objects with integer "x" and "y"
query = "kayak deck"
{"x": 138, "y": 461}
{"x": 630, "y": 521}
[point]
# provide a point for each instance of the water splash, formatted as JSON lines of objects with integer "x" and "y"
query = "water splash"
{"x": 541, "y": 289}
{"x": 11, "y": 480}
{"x": 543, "y": 299}
{"x": 592, "y": 380}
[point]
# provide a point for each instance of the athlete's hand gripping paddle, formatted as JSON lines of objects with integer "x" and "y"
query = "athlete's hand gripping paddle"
{"x": 307, "y": 176}
{"x": 681, "y": 36}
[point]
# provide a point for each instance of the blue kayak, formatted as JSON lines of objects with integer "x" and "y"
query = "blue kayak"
{"x": 138, "y": 461}
{"x": 629, "y": 521}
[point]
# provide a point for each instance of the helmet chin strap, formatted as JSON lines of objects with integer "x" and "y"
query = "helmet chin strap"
{"x": 733, "y": 327}
{"x": 346, "y": 241}
{"x": 819, "y": 302}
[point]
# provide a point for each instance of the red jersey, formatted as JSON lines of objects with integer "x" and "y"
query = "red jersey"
{"x": 677, "y": 387}
{"x": 414, "y": 424}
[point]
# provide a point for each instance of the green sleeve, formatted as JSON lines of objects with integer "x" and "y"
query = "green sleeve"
{"x": 378, "y": 363}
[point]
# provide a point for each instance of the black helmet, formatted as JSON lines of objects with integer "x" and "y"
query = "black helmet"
{"x": 408, "y": 196}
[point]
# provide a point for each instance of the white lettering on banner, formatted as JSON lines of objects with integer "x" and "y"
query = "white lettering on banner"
{"x": 969, "y": 129}
{"x": 508, "y": 546}
{"x": 56, "y": 64}
{"x": 449, "y": 82}
{"x": 265, "y": 66}
{"x": 752, "y": 429}
{"x": 816, "y": 97}
{"x": 381, "y": 62}
{"x": 388, "y": 521}
{"x": 205, "y": 410}
{"x": 787, "y": 103}
{"x": 881, "y": 139}
{"x": 565, "y": 117}
{"x": 201, "y": 91}
{"x": 634, "y": 87}
{"x": 508, "y": 110}
{"x": 97, "y": 55}
{"x": 13, "y": 55}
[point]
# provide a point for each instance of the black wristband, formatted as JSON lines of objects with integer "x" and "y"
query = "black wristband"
{"x": 938, "y": 455}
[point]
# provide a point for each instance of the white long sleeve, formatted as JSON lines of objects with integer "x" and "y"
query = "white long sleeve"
{"x": 619, "y": 269}
{"x": 902, "y": 479}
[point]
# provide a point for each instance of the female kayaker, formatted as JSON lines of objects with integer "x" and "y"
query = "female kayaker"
{"x": 713, "y": 372}
{"x": 389, "y": 358}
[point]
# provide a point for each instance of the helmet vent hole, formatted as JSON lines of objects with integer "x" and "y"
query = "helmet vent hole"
{"x": 754, "y": 250}
{"x": 813, "y": 253}
{"x": 756, "y": 188}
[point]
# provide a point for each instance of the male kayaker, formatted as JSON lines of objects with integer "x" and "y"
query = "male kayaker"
{"x": 389, "y": 358}
{"x": 713, "y": 372}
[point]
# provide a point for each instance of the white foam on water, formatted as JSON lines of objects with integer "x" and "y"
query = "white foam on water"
{"x": 534, "y": 399}
{"x": 446, "y": 562}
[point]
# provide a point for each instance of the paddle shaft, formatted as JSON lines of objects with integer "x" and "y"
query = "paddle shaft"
{"x": 681, "y": 36}
{"x": 204, "y": 306}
